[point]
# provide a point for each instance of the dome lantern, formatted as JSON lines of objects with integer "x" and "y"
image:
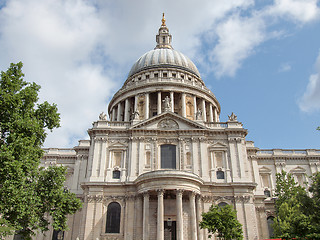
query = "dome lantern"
{"x": 163, "y": 38}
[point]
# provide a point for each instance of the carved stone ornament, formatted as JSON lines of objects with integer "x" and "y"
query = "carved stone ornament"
{"x": 103, "y": 116}
{"x": 232, "y": 118}
{"x": 168, "y": 124}
{"x": 242, "y": 199}
{"x": 167, "y": 104}
{"x": 199, "y": 114}
{"x": 135, "y": 115}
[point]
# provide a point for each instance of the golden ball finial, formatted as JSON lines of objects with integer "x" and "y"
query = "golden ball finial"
{"x": 163, "y": 20}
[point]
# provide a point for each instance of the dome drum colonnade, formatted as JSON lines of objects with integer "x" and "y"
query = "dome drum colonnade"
{"x": 161, "y": 80}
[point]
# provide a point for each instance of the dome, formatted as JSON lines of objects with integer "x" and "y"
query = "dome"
{"x": 163, "y": 57}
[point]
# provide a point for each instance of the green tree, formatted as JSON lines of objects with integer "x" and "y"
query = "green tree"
{"x": 29, "y": 195}
{"x": 223, "y": 221}
{"x": 297, "y": 215}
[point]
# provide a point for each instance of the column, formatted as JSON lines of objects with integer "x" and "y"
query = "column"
{"x": 159, "y": 103}
{"x": 199, "y": 218}
{"x": 113, "y": 114}
{"x": 211, "y": 112}
{"x": 147, "y": 106}
{"x": 216, "y": 115}
{"x": 119, "y": 112}
{"x": 179, "y": 215}
{"x": 146, "y": 216}
{"x": 160, "y": 219}
{"x": 204, "y": 114}
{"x": 136, "y": 103}
{"x": 192, "y": 202}
{"x": 172, "y": 101}
{"x": 183, "y": 102}
{"x": 195, "y": 108}
{"x": 126, "y": 110}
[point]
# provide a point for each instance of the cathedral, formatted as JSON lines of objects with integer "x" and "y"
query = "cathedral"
{"x": 162, "y": 157}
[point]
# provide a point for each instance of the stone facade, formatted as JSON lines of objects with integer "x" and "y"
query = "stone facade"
{"x": 164, "y": 104}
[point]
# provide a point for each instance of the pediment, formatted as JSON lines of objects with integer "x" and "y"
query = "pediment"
{"x": 219, "y": 145}
{"x": 264, "y": 170}
{"x": 168, "y": 121}
{"x": 298, "y": 170}
{"x": 116, "y": 144}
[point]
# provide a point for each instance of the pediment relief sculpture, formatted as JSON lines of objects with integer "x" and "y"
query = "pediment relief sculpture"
{"x": 168, "y": 124}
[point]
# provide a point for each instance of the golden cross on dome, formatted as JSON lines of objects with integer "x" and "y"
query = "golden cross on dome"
{"x": 163, "y": 20}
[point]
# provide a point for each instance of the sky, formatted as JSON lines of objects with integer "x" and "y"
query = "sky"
{"x": 260, "y": 58}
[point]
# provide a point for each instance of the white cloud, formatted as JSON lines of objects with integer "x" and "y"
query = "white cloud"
{"x": 302, "y": 11}
{"x": 56, "y": 41}
{"x": 310, "y": 100}
{"x": 285, "y": 67}
{"x": 238, "y": 36}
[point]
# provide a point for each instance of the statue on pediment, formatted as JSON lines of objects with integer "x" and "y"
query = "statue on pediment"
{"x": 103, "y": 116}
{"x": 232, "y": 118}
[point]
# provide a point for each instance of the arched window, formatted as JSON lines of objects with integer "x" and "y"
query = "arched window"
{"x": 220, "y": 174}
{"x": 270, "y": 228}
{"x": 113, "y": 218}
{"x": 168, "y": 156}
{"x": 222, "y": 204}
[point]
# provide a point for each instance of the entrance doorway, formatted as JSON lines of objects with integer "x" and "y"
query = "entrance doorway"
{"x": 170, "y": 232}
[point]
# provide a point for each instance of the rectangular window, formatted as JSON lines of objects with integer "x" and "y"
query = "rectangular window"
{"x": 168, "y": 156}
{"x": 116, "y": 174}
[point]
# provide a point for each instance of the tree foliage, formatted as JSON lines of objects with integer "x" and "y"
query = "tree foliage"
{"x": 29, "y": 195}
{"x": 223, "y": 221}
{"x": 297, "y": 210}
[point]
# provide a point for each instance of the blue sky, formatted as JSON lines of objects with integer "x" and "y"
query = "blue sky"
{"x": 260, "y": 58}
